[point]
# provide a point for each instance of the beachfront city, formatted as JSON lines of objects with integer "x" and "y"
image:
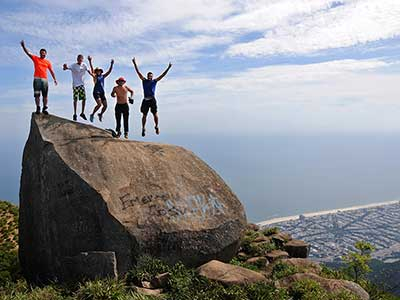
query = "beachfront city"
{"x": 332, "y": 234}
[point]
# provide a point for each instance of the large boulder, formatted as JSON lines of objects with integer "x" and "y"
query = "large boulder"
{"x": 84, "y": 191}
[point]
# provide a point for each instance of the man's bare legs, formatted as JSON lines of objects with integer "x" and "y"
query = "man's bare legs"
{"x": 83, "y": 106}
{"x": 45, "y": 101}
{"x": 144, "y": 117}
{"x": 83, "y": 109}
{"x": 155, "y": 115}
{"x": 75, "y": 104}
{"x": 144, "y": 124}
{"x": 37, "y": 101}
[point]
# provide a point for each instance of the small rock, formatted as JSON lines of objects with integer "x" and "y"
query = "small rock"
{"x": 242, "y": 255}
{"x": 305, "y": 265}
{"x": 146, "y": 285}
{"x": 257, "y": 261}
{"x": 281, "y": 238}
{"x": 253, "y": 227}
{"x": 330, "y": 285}
{"x": 297, "y": 248}
{"x": 150, "y": 292}
{"x": 276, "y": 254}
{"x": 161, "y": 280}
{"x": 261, "y": 239}
{"x": 228, "y": 274}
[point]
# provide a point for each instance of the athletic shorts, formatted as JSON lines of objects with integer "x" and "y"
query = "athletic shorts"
{"x": 40, "y": 85}
{"x": 149, "y": 104}
{"x": 100, "y": 95}
{"x": 79, "y": 93}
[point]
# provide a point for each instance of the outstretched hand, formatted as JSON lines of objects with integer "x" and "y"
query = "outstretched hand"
{"x": 55, "y": 82}
{"x": 134, "y": 61}
{"x": 169, "y": 65}
{"x": 65, "y": 67}
{"x": 22, "y": 43}
{"x": 89, "y": 58}
{"x": 112, "y": 61}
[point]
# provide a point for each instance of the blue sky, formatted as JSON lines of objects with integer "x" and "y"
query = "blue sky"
{"x": 240, "y": 68}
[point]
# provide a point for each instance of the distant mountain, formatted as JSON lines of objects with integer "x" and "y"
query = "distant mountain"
{"x": 8, "y": 226}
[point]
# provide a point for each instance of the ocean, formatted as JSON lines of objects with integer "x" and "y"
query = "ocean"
{"x": 275, "y": 175}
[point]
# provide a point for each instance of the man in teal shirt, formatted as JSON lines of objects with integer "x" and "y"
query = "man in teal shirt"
{"x": 149, "y": 101}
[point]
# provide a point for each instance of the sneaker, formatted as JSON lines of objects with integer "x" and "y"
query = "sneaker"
{"x": 82, "y": 115}
{"x": 157, "y": 130}
{"x": 74, "y": 117}
{"x": 37, "y": 110}
{"x": 100, "y": 117}
{"x": 91, "y": 118}
{"x": 118, "y": 134}
{"x": 143, "y": 132}
{"x": 44, "y": 110}
{"x": 126, "y": 135}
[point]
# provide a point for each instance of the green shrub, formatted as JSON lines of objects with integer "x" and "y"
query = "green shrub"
{"x": 307, "y": 289}
{"x": 235, "y": 261}
{"x": 358, "y": 261}
{"x": 183, "y": 281}
{"x": 263, "y": 291}
{"x": 101, "y": 290}
{"x": 330, "y": 273}
{"x": 45, "y": 293}
{"x": 270, "y": 231}
{"x": 282, "y": 270}
{"x": 146, "y": 269}
{"x": 9, "y": 266}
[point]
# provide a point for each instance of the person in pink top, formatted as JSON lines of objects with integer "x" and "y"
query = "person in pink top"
{"x": 40, "y": 83}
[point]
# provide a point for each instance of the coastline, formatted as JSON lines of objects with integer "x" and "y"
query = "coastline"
{"x": 324, "y": 212}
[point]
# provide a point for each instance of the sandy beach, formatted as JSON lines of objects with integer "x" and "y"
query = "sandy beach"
{"x": 324, "y": 212}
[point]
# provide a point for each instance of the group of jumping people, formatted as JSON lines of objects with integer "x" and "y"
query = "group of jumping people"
{"x": 120, "y": 91}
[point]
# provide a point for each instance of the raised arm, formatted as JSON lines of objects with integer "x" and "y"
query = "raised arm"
{"x": 164, "y": 73}
{"x": 90, "y": 64}
{"x": 65, "y": 67}
{"x": 25, "y": 50}
{"x": 109, "y": 69}
{"x": 137, "y": 69}
{"x": 91, "y": 74}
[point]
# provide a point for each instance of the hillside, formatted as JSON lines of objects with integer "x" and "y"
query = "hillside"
{"x": 183, "y": 283}
{"x": 8, "y": 226}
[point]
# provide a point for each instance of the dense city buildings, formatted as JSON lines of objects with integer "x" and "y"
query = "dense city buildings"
{"x": 332, "y": 234}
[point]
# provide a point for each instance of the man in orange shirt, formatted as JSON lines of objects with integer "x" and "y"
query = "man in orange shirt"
{"x": 40, "y": 84}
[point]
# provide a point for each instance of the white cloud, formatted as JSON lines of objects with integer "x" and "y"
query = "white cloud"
{"x": 355, "y": 22}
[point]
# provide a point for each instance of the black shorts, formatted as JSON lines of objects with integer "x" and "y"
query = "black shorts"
{"x": 149, "y": 104}
{"x": 100, "y": 95}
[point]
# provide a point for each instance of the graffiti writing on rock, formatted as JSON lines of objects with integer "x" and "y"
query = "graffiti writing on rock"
{"x": 176, "y": 206}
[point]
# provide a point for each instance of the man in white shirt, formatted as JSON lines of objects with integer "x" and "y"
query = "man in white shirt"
{"x": 78, "y": 70}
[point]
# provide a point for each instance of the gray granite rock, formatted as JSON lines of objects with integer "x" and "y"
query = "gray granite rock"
{"x": 83, "y": 190}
